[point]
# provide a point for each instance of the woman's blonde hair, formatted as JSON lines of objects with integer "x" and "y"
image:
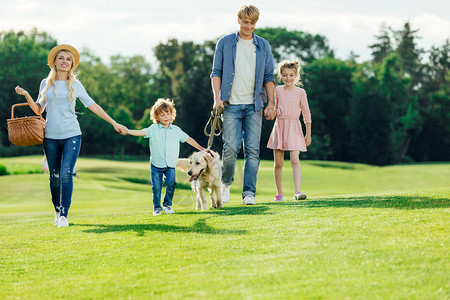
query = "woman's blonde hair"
{"x": 250, "y": 12}
{"x": 291, "y": 64}
{"x": 160, "y": 106}
{"x": 51, "y": 80}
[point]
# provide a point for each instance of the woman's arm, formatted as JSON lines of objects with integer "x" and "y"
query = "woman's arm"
{"x": 194, "y": 144}
{"x": 96, "y": 109}
{"x": 34, "y": 106}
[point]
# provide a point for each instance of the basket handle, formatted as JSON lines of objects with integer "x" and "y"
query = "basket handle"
{"x": 22, "y": 104}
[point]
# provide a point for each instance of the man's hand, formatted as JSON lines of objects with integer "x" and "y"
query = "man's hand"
{"x": 270, "y": 113}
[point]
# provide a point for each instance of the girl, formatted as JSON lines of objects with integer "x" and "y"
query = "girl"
{"x": 287, "y": 134}
{"x": 57, "y": 94}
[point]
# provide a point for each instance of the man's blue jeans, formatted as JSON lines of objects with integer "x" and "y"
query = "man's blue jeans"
{"x": 241, "y": 123}
{"x": 61, "y": 157}
{"x": 157, "y": 184}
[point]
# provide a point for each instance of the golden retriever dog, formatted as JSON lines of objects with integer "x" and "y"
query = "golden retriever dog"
{"x": 205, "y": 170}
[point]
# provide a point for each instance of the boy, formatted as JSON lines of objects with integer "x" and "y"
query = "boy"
{"x": 164, "y": 140}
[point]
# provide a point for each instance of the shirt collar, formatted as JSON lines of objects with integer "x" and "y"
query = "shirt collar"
{"x": 236, "y": 38}
{"x": 160, "y": 126}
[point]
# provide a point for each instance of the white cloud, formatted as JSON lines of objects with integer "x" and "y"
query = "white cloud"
{"x": 136, "y": 26}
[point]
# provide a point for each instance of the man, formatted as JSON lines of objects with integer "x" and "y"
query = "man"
{"x": 242, "y": 76}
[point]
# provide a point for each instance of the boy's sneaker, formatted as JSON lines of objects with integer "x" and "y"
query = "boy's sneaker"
{"x": 168, "y": 210}
{"x": 299, "y": 196}
{"x": 225, "y": 193}
{"x": 55, "y": 221}
{"x": 157, "y": 212}
{"x": 63, "y": 222}
{"x": 249, "y": 200}
{"x": 278, "y": 198}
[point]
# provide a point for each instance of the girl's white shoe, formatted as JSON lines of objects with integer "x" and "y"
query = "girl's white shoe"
{"x": 299, "y": 196}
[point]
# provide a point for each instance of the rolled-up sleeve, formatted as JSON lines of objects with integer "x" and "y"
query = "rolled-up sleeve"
{"x": 268, "y": 70}
{"x": 218, "y": 60}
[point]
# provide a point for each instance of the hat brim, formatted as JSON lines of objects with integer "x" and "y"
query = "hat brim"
{"x": 55, "y": 50}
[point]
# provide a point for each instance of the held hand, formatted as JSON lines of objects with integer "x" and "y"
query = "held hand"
{"x": 308, "y": 140}
{"x": 20, "y": 91}
{"x": 270, "y": 113}
{"x": 121, "y": 129}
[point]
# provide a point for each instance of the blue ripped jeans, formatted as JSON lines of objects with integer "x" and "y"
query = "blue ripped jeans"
{"x": 61, "y": 157}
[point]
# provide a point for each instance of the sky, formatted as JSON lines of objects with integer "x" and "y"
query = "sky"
{"x": 135, "y": 27}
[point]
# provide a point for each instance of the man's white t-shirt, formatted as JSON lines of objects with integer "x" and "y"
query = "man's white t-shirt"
{"x": 243, "y": 86}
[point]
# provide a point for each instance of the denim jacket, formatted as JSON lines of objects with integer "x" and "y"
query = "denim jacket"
{"x": 223, "y": 67}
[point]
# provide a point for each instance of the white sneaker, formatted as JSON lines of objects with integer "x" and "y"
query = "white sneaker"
{"x": 299, "y": 196}
{"x": 63, "y": 222}
{"x": 249, "y": 200}
{"x": 168, "y": 210}
{"x": 157, "y": 212}
{"x": 225, "y": 193}
{"x": 55, "y": 221}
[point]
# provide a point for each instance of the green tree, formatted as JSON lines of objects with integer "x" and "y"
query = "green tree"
{"x": 291, "y": 44}
{"x": 23, "y": 61}
{"x": 383, "y": 46}
{"x": 328, "y": 83}
{"x": 370, "y": 117}
{"x": 187, "y": 67}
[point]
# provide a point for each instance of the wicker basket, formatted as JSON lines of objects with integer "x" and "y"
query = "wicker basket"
{"x": 26, "y": 131}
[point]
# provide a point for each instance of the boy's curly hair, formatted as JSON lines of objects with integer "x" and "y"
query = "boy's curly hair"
{"x": 162, "y": 105}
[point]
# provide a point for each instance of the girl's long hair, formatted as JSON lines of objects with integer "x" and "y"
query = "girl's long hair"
{"x": 51, "y": 80}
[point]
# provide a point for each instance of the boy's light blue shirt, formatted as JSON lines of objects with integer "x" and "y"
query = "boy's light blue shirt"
{"x": 223, "y": 67}
{"x": 165, "y": 144}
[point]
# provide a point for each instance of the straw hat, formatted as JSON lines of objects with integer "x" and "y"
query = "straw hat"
{"x": 55, "y": 50}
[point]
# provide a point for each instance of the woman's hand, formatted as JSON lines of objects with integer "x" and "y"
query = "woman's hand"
{"x": 123, "y": 130}
{"x": 20, "y": 91}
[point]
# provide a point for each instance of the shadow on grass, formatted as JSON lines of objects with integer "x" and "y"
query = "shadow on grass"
{"x": 199, "y": 226}
{"x": 397, "y": 202}
{"x": 231, "y": 211}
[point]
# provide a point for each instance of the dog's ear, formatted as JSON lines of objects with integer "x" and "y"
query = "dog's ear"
{"x": 184, "y": 164}
{"x": 209, "y": 159}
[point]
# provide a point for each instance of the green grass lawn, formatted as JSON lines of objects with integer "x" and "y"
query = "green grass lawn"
{"x": 364, "y": 232}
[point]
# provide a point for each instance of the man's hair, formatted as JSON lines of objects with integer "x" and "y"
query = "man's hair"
{"x": 249, "y": 12}
{"x": 160, "y": 106}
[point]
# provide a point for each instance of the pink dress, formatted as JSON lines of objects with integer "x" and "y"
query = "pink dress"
{"x": 287, "y": 133}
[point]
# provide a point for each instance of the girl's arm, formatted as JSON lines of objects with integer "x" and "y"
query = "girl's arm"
{"x": 136, "y": 132}
{"x": 194, "y": 144}
{"x": 96, "y": 109}
{"x": 269, "y": 112}
{"x": 34, "y": 106}
{"x": 308, "y": 134}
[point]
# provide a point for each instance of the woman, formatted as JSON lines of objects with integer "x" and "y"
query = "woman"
{"x": 57, "y": 95}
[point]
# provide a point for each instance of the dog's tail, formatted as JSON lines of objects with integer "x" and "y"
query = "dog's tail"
{"x": 183, "y": 164}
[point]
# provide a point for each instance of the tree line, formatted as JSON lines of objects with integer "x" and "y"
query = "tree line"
{"x": 391, "y": 109}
